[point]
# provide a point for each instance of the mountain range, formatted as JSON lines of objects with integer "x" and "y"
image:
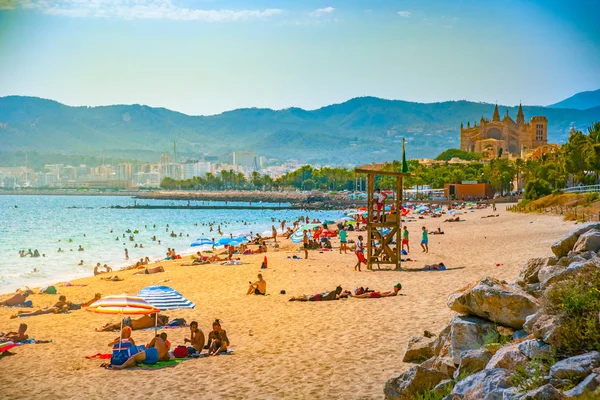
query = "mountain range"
{"x": 360, "y": 130}
{"x": 580, "y": 101}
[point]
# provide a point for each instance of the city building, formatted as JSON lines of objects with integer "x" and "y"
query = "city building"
{"x": 195, "y": 168}
{"x": 245, "y": 158}
{"x": 504, "y": 136}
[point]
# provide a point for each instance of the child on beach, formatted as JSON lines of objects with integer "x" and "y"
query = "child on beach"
{"x": 425, "y": 241}
{"x": 359, "y": 253}
{"x": 405, "y": 239}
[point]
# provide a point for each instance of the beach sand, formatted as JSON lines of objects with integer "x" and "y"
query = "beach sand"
{"x": 340, "y": 349}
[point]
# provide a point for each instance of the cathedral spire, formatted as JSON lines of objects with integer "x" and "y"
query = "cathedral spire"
{"x": 496, "y": 116}
{"x": 520, "y": 116}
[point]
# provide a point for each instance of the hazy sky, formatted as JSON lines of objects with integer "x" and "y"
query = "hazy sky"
{"x": 204, "y": 57}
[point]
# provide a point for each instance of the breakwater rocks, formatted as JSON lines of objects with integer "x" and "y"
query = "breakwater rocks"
{"x": 535, "y": 339}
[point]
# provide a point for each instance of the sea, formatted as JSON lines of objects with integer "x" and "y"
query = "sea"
{"x": 46, "y": 223}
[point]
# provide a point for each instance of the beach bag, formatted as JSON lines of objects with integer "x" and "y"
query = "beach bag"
{"x": 48, "y": 290}
{"x": 180, "y": 352}
{"x": 122, "y": 352}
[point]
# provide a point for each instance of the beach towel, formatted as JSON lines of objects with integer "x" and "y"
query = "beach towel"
{"x": 202, "y": 355}
{"x": 99, "y": 356}
{"x": 163, "y": 364}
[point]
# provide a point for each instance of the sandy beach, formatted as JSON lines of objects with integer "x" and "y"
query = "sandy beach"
{"x": 339, "y": 349}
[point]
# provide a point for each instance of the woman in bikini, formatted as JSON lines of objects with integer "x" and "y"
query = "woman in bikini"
{"x": 218, "y": 341}
{"x": 377, "y": 295}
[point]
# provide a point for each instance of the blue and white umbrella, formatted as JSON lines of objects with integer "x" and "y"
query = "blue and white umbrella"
{"x": 165, "y": 298}
{"x": 201, "y": 242}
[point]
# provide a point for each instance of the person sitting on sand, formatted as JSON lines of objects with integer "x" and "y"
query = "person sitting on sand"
{"x": 116, "y": 278}
{"x": 124, "y": 338}
{"x": 97, "y": 270}
{"x": 438, "y": 231}
{"x": 196, "y": 339}
{"x": 18, "y": 299}
{"x": 218, "y": 341}
{"x": 156, "y": 351}
{"x": 145, "y": 321}
{"x": 326, "y": 296}
{"x": 258, "y": 287}
{"x": 152, "y": 270}
{"x": 377, "y": 295}
{"x": 61, "y": 306}
{"x": 15, "y": 337}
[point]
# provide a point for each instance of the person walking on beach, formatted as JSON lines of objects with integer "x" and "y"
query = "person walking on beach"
{"x": 274, "y": 233}
{"x": 305, "y": 241}
{"x": 343, "y": 240}
{"x": 425, "y": 241}
{"x": 359, "y": 253}
{"x": 405, "y": 239}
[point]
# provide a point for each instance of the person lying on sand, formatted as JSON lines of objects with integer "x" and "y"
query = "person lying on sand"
{"x": 436, "y": 267}
{"x": 116, "y": 278}
{"x": 438, "y": 231}
{"x": 61, "y": 306}
{"x": 491, "y": 216}
{"x": 152, "y": 270}
{"x": 156, "y": 351}
{"x": 217, "y": 339}
{"x": 196, "y": 339}
{"x": 18, "y": 299}
{"x": 15, "y": 337}
{"x": 377, "y": 295}
{"x": 97, "y": 297}
{"x": 258, "y": 287}
{"x": 124, "y": 338}
{"x": 326, "y": 296}
{"x": 453, "y": 219}
{"x": 145, "y": 321}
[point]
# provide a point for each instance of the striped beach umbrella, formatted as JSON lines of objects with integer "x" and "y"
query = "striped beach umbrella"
{"x": 122, "y": 304}
{"x": 165, "y": 298}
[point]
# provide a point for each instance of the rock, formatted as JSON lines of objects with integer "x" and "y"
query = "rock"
{"x": 559, "y": 383}
{"x": 468, "y": 333}
{"x": 546, "y": 392}
{"x": 568, "y": 259}
{"x": 530, "y": 321}
{"x": 576, "y": 367}
{"x": 562, "y": 246}
{"x": 559, "y": 274}
{"x": 546, "y": 274}
{"x": 588, "y": 241}
{"x": 493, "y": 347}
{"x": 520, "y": 334}
{"x": 489, "y": 384}
{"x": 443, "y": 387}
{"x": 589, "y": 384}
{"x": 419, "y": 349}
{"x": 508, "y": 357}
{"x": 529, "y": 271}
{"x": 410, "y": 383}
{"x": 535, "y": 349}
{"x": 494, "y": 300}
{"x": 472, "y": 361}
{"x": 442, "y": 340}
{"x": 428, "y": 334}
{"x": 545, "y": 327}
{"x": 504, "y": 331}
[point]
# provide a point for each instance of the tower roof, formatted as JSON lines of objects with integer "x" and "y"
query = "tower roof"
{"x": 520, "y": 116}
{"x": 496, "y": 116}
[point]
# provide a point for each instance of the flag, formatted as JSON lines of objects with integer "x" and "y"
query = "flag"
{"x": 404, "y": 163}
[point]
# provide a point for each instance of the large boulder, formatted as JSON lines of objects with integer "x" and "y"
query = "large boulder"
{"x": 544, "y": 327}
{"x": 563, "y": 246}
{"x": 588, "y": 241}
{"x": 495, "y": 300}
{"x": 550, "y": 275}
{"x": 419, "y": 349}
{"x": 410, "y": 383}
{"x": 546, "y": 392}
{"x": 529, "y": 271}
{"x": 535, "y": 349}
{"x": 589, "y": 384}
{"x": 508, "y": 357}
{"x": 489, "y": 384}
{"x": 472, "y": 361}
{"x": 469, "y": 333}
{"x": 576, "y": 367}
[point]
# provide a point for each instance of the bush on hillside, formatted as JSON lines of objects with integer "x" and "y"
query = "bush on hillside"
{"x": 463, "y": 155}
{"x": 536, "y": 188}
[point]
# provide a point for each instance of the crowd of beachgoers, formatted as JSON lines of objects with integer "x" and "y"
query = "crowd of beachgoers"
{"x": 305, "y": 235}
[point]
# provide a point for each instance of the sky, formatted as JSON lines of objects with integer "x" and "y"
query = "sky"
{"x": 203, "y": 57}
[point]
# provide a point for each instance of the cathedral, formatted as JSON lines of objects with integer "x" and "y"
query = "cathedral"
{"x": 516, "y": 139}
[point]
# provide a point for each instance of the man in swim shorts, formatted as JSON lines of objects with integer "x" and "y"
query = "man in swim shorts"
{"x": 157, "y": 351}
{"x": 258, "y": 287}
{"x": 359, "y": 253}
{"x": 425, "y": 241}
{"x": 377, "y": 295}
{"x": 405, "y": 239}
{"x": 196, "y": 339}
{"x": 17, "y": 299}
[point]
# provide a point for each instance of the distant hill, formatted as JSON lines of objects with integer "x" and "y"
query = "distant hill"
{"x": 359, "y": 130}
{"x": 580, "y": 101}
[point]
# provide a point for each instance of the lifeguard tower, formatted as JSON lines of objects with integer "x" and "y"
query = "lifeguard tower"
{"x": 389, "y": 226}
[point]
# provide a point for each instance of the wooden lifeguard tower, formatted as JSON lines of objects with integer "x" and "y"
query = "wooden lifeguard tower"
{"x": 392, "y": 220}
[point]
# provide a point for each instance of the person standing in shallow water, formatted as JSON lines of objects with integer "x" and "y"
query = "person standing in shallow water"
{"x": 126, "y": 254}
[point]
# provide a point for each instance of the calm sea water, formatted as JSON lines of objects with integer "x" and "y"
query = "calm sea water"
{"x": 46, "y": 223}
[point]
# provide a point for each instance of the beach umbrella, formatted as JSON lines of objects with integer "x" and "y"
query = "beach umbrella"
{"x": 308, "y": 227}
{"x": 351, "y": 222}
{"x": 298, "y": 236}
{"x": 123, "y": 305}
{"x": 201, "y": 242}
{"x": 328, "y": 223}
{"x": 164, "y": 298}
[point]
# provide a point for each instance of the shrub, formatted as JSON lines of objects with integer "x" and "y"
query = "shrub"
{"x": 557, "y": 192}
{"x": 536, "y": 188}
{"x": 578, "y": 302}
{"x": 591, "y": 197}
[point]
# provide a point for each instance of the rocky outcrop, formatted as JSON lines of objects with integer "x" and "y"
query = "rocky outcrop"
{"x": 550, "y": 275}
{"x": 588, "y": 241}
{"x": 529, "y": 271}
{"x": 535, "y": 349}
{"x": 468, "y": 333}
{"x": 414, "y": 381}
{"x": 546, "y": 392}
{"x": 544, "y": 327}
{"x": 563, "y": 246}
{"x": 489, "y": 384}
{"x": 472, "y": 361}
{"x": 589, "y": 384}
{"x": 419, "y": 349}
{"x": 496, "y": 301}
{"x": 577, "y": 367}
